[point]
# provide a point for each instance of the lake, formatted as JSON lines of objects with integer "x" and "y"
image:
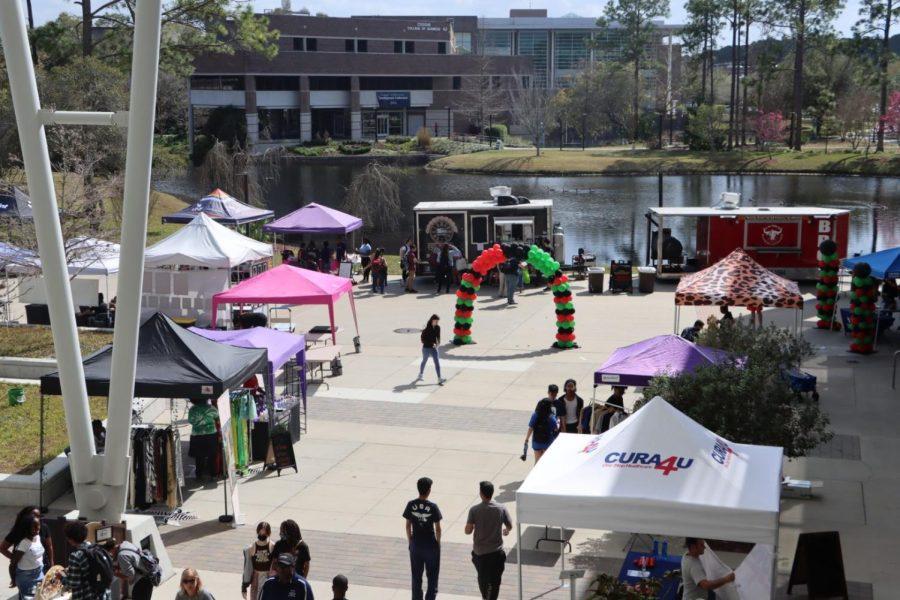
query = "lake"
{"x": 604, "y": 215}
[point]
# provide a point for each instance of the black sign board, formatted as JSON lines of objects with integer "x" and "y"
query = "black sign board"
{"x": 819, "y": 564}
{"x": 283, "y": 449}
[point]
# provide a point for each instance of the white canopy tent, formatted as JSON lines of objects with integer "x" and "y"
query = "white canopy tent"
{"x": 205, "y": 243}
{"x": 210, "y": 251}
{"x": 657, "y": 472}
{"x": 87, "y": 256}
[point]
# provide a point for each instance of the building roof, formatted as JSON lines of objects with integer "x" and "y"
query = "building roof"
{"x": 427, "y": 28}
{"x": 480, "y": 205}
{"x": 747, "y": 211}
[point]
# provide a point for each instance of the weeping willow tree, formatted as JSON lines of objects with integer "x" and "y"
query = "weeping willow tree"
{"x": 374, "y": 197}
{"x": 245, "y": 175}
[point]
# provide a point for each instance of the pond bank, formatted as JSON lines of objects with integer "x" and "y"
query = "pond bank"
{"x": 555, "y": 162}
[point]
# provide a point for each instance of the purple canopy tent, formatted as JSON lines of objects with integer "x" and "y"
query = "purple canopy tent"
{"x": 281, "y": 346}
{"x": 315, "y": 218}
{"x": 220, "y": 206}
{"x": 638, "y": 363}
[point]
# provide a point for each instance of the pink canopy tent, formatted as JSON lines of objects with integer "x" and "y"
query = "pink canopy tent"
{"x": 290, "y": 285}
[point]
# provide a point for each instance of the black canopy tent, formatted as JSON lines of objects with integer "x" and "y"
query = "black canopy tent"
{"x": 172, "y": 362}
{"x": 15, "y": 203}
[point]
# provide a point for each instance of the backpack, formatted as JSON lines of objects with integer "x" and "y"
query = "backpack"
{"x": 148, "y": 565}
{"x": 100, "y": 569}
{"x": 542, "y": 431}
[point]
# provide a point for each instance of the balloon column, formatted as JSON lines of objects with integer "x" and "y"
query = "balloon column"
{"x": 540, "y": 260}
{"x": 863, "y": 296}
{"x": 826, "y": 289}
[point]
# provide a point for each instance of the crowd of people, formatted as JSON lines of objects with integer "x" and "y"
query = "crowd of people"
{"x": 569, "y": 413}
{"x": 325, "y": 258}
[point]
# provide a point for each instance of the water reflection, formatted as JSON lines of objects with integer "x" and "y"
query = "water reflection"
{"x": 606, "y": 214}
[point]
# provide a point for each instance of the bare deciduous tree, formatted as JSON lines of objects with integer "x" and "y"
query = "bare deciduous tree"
{"x": 532, "y": 109}
{"x": 374, "y": 197}
{"x": 482, "y": 94}
{"x": 244, "y": 175}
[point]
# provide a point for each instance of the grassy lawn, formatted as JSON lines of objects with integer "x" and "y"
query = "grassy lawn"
{"x": 160, "y": 205}
{"x": 619, "y": 161}
{"x": 20, "y": 429}
{"x": 36, "y": 341}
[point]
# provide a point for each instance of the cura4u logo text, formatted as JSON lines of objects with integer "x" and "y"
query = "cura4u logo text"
{"x": 645, "y": 460}
{"x": 722, "y": 452}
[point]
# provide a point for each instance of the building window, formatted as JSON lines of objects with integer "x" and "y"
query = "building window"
{"x": 395, "y": 83}
{"x": 298, "y": 44}
{"x": 215, "y": 82}
{"x": 497, "y": 43}
{"x": 526, "y": 81}
{"x": 312, "y": 44}
{"x": 409, "y": 47}
{"x": 398, "y": 47}
{"x": 349, "y": 45}
{"x": 277, "y": 83}
{"x": 329, "y": 84}
{"x": 463, "y": 42}
{"x": 480, "y": 230}
{"x": 279, "y": 123}
{"x": 457, "y": 82}
{"x": 442, "y": 47}
{"x": 535, "y": 45}
{"x": 362, "y": 45}
{"x": 571, "y": 53}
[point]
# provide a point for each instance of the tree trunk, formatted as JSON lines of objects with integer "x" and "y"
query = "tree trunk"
{"x": 733, "y": 90}
{"x": 712, "y": 65}
{"x": 797, "y": 132}
{"x": 883, "y": 74}
{"x": 635, "y": 102}
{"x": 746, "y": 73}
{"x": 87, "y": 24}
{"x": 703, "y": 66}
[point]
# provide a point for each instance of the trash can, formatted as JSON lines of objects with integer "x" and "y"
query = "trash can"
{"x": 646, "y": 279}
{"x": 595, "y": 280}
{"x": 16, "y": 396}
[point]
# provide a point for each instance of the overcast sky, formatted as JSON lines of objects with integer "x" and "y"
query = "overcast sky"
{"x": 48, "y": 9}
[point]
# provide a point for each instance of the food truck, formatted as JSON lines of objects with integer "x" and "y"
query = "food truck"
{"x": 784, "y": 239}
{"x": 472, "y": 225}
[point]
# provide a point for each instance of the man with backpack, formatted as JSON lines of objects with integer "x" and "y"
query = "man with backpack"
{"x": 510, "y": 271}
{"x": 137, "y": 569}
{"x": 90, "y": 570}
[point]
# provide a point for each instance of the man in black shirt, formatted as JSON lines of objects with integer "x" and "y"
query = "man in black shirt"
{"x": 423, "y": 530}
{"x": 690, "y": 333}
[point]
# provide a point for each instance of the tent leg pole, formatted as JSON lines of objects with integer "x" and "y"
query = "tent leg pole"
{"x": 519, "y": 556}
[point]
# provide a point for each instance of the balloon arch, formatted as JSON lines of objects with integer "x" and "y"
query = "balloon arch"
{"x": 537, "y": 258}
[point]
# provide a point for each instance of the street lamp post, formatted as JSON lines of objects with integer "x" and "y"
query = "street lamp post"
{"x": 583, "y": 131}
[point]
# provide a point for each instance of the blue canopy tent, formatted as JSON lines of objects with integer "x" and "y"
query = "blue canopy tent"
{"x": 885, "y": 264}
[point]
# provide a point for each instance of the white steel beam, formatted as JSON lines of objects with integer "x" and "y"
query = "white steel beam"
{"x": 76, "y": 117}
{"x": 33, "y": 141}
{"x": 142, "y": 105}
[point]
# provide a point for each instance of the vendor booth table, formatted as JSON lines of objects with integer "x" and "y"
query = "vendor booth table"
{"x": 173, "y": 363}
{"x": 658, "y": 472}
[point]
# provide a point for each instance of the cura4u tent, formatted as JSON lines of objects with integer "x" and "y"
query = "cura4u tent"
{"x": 294, "y": 286}
{"x": 221, "y": 207}
{"x": 657, "y": 472}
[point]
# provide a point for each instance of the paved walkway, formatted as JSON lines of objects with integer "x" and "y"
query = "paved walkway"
{"x": 375, "y": 431}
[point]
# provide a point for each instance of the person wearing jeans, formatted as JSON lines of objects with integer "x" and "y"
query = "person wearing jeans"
{"x": 431, "y": 339}
{"x": 28, "y": 557}
{"x": 487, "y": 523}
{"x": 423, "y": 531}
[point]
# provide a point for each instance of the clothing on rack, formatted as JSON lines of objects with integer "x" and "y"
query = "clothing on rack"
{"x": 243, "y": 412}
{"x": 156, "y": 473}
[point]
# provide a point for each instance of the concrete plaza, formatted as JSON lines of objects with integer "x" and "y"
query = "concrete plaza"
{"x": 374, "y": 431}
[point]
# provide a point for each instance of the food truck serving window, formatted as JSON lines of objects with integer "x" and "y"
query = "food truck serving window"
{"x": 480, "y": 230}
{"x": 514, "y": 229}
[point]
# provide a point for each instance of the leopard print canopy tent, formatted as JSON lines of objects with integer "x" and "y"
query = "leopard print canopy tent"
{"x": 738, "y": 280}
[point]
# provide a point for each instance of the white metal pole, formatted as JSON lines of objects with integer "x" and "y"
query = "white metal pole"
{"x": 142, "y": 105}
{"x": 33, "y": 141}
{"x": 519, "y": 556}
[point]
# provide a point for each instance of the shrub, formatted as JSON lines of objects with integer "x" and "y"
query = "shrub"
{"x": 748, "y": 400}
{"x": 706, "y": 129}
{"x": 309, "y": 150}
{"x": 423, "y": 138}
{"x": 353, "y": 148}
{"x": 396, "y": 139}
{"x": 498, "y": 131}
{"x": 317, "y": 141}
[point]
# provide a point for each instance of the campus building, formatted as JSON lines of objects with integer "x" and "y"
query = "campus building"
{"x": 363, "y": 77}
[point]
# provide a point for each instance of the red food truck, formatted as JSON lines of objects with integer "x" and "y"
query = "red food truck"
{"x": 784, "y": 239}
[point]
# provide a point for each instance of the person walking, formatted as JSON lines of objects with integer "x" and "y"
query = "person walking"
{"x": 404, "y": 249}
{"x": 257, "y": 561}
{"x": 412, "y": 260}
{"x": 443, "y": 269}
{"x": 543, "y": 427}
{"x": 510, "y": 272}
{"x": 286, "y": 584}
{"x": 340, "y": 251}
{"x": 191, "y": 587}
{"x": 292, "y": 542}
{"x": 423, "y": 532}
{"x": 204, "y": 441}
{"x": 339, "y": 587}
{"x": 27, "y": 561}
{"x": 365, "y": 258}
{"x": 487, "y": 523}
{"x": 379, "y": 272}
{"x": 572, "y": 405}
{"x": 431, "y": 340}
